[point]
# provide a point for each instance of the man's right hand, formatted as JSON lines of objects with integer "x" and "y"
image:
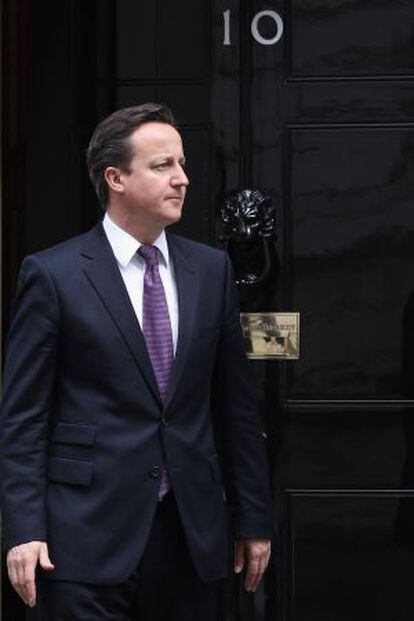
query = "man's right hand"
{"x": 21, "y": 564}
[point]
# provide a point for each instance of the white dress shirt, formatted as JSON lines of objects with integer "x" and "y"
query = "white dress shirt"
{"x": 132, "y": 268}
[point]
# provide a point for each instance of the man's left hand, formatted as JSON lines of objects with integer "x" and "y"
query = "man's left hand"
{"x": 256, "y": 553}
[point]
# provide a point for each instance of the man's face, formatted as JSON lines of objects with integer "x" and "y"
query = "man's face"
{"x": 155, "y": 186}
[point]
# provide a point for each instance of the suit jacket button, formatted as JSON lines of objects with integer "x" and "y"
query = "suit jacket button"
{"x": 155, "y": 472}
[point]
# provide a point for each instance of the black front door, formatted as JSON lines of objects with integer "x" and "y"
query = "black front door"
{"x": 312, "y": 103}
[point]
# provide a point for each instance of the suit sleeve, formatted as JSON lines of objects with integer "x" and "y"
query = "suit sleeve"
{"x": 243, "y": 445}
{"x": 31, "y": 356}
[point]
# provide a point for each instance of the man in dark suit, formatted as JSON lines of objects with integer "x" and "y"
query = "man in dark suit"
{"x": 129, "y": 427}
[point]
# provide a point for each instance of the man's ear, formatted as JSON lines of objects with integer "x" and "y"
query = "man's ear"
{"x": 114, "y": 179}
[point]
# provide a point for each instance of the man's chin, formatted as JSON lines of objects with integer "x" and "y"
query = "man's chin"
{"x": 172, "y": 217}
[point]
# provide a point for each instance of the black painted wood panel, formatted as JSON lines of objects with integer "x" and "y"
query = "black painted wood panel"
{"x": 359, "y": 555}
{"x": 161, "y": 40}
{"x": 352, "y": 227}
{"x": 343, "y": 449}
{"x": 350, "y": 38}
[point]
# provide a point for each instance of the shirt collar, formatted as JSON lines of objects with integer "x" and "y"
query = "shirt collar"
{"x": 125, "y": 246}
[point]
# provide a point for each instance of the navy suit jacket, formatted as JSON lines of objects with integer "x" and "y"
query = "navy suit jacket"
{"x": 85, "y": 434}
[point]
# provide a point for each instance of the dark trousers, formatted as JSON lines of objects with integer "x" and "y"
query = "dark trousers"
{"x": 164, "y": 586}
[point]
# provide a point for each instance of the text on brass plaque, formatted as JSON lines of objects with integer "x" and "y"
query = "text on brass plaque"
{"x": 271, "y": 335}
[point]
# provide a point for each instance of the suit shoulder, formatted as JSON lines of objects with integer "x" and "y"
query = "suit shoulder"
{"x": 57, "y": 264}
{"x": 65, "y": 248}
{"x": 64, "y": 254}
{"x": 197, "y": 249}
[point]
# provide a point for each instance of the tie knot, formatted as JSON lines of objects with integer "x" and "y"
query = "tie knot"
{"x": 150, "y": 254}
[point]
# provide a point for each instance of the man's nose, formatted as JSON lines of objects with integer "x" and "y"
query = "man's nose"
{"x": 180, "y": 178}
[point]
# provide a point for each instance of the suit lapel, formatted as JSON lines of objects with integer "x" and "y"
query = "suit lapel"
{"x": 102, "y": 271}
{"x": 187, "y": 289}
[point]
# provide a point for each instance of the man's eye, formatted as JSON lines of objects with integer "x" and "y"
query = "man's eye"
{"x": 161, "y": 166}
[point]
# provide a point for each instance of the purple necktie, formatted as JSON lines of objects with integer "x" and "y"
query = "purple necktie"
{"x": 156, "y": 328}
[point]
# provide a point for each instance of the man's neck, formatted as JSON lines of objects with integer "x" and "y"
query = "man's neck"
{"x": 143, "y": 232}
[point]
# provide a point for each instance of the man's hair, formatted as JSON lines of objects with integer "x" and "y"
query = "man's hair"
{"x": 110, "y": 144}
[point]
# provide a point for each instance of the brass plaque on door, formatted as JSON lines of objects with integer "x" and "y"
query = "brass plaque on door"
{"x": 271, "y": 335}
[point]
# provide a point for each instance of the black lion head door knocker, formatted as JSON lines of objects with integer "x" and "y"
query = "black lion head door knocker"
{"x": 248, "y": 220}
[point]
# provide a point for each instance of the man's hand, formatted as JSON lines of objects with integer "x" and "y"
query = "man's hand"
{"x": 257, "y": 553}
{"x": 21, "y": 564}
